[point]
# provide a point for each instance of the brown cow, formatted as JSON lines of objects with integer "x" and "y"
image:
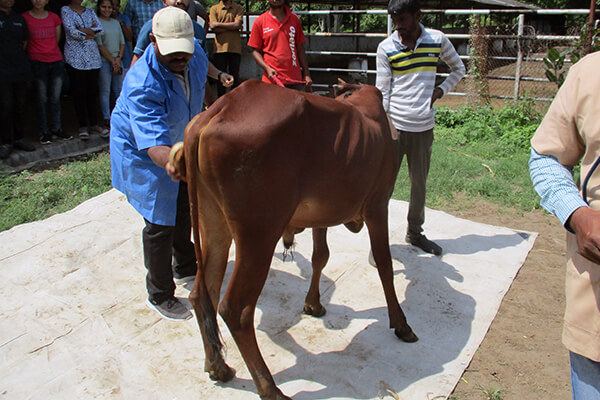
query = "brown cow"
{"x": 265, "y": 161}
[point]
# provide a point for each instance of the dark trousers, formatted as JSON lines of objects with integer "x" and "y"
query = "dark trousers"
{"x": 168, "y": 251}
{"x": 416, "y": 146}
{"x": 230, "y": 63}
{"x": 84, "y": 88}
{"x": 12, "y": 107}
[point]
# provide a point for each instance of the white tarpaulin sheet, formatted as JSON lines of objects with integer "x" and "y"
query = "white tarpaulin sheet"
{"x": 74, "y": 324}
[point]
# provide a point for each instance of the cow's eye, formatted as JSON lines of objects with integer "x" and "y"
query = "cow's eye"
{"x": 347, "y": 95}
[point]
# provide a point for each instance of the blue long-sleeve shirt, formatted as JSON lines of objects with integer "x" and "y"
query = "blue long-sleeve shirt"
{"x": 555, "y": 185}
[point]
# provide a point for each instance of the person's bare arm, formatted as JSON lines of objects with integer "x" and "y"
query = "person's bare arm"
{"x": 58, "y": 33}
{"x": 219, "y": 27}
{"x": 134, "y": 59}
{"x": 258, "y": 57}
{"x": 223, "y": 77}
{"x": 160, "y": 156}
{"x": 304, "y": 64}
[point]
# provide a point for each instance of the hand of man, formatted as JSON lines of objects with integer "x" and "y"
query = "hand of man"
{"x": 308, "y": 82}
{"x": 437, "y": 94}
{"x": 271, "y": 72}
{"x": 226, "y": 79}
{"x": 585, "y": 222}
{"x": 173, "y": 173}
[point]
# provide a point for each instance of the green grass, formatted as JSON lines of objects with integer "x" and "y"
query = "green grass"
{"x": 483, "y": 170}
{"x": 31, "y": 196}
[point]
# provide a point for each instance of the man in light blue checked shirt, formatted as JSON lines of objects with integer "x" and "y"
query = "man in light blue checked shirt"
{"x": 570, "y": 135}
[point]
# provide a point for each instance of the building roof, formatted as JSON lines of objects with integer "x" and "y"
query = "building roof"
{"x": 431, "y": 4}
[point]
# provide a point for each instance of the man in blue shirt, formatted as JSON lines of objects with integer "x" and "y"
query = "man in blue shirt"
{"x": 161, "y": 93}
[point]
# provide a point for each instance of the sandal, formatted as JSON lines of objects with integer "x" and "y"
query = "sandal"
{"x": 101, "y": 130}
{"x": 83, "y": 134}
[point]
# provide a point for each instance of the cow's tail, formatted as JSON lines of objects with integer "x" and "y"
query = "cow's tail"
{"x": 200, "y": 297}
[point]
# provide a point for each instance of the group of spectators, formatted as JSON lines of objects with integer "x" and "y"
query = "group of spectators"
{"x": 92, "y": 55}
{"x": 90, "y": 52}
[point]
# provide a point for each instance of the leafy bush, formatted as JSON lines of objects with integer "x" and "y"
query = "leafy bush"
{"x": 512, "y": 125}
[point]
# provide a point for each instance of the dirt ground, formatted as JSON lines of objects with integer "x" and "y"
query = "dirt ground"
{"x": 522, "y": 354}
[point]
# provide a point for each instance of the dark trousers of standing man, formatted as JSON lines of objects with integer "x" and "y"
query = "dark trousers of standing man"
{"x": 13, "y": 101}
{"x": 230, "y": 63}
{"x": 168, "y": 251}
{"x": 416, "y": 146}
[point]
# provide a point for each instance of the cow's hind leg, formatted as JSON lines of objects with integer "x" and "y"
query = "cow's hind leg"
{"x": 216, "y": 240}
{"x": 253, "y": 259}
{"x": 379, "y": 236}
{"x": 312, "y": 303}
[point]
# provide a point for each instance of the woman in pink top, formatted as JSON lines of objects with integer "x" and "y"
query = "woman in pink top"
{"x": 48, "y": 67}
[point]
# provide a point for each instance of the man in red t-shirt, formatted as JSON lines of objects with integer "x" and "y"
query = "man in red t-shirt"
{"x": 277, "y": 42}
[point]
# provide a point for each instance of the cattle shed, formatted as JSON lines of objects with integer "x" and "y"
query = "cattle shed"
{"x": 338, "y": 47}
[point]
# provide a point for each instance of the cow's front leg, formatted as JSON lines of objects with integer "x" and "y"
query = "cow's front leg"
{"x": 312, "y": 303}
{"x": 378, "y": 234}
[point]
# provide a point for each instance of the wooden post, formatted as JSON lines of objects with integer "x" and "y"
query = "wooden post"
{"x": 519, "y": 55}
{"x": 588, "y": 39}
{"x": 247, "y": 19}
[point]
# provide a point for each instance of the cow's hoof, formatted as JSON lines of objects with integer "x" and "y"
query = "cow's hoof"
{"x": 221, "y": 374}
{"x": 406, "y": 335}
{"x": 276, "y": 396}
{"x": 314, "y": 311}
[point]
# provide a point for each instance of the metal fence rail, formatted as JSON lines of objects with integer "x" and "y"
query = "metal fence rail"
{"x": 514, "y": 57}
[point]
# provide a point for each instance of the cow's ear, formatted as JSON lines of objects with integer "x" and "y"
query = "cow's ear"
{"x": 339, "y": 87}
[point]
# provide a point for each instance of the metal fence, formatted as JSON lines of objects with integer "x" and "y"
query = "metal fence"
{"x": 511, "y": 52}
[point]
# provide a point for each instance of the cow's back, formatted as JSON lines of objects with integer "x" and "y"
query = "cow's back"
{"x": 266, "y": 151}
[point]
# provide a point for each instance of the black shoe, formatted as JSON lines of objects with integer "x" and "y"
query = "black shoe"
{"x": 424, "y": 244}
{"x": 46, "y": 138}
{"x": 24, "y": 145}
{"x": 5, "y": 151}
{"x": 62, "y": 135}
{"x": 171, "y": 309}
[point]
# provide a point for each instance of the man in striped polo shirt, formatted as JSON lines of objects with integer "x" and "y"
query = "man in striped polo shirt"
{"x": 406, "y": 69}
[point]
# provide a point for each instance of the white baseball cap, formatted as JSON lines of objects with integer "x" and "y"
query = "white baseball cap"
{"x": 172, "y": 27}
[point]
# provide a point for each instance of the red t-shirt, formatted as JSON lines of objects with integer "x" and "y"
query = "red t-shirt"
{"x": 42, "y": 45}
{"x": 279, "y": 43}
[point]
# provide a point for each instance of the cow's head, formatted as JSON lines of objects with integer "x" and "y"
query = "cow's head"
{"x": 344, "y": 89}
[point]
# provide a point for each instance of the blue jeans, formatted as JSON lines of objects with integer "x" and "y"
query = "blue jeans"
{"x": 109, "y": 86}
{"x": 48, "y": 80}
{"x": 585, "y": 378}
